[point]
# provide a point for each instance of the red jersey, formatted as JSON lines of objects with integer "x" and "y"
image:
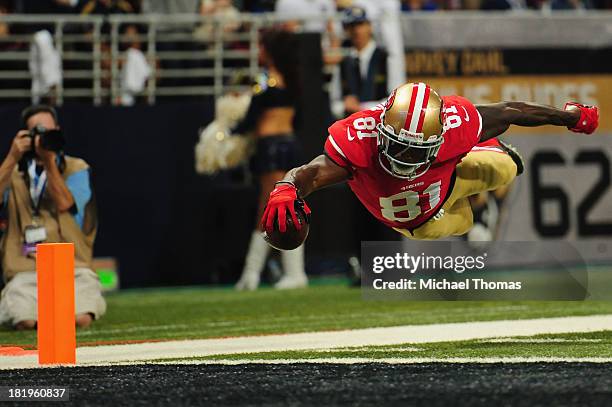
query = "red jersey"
{"x": 401, "y": 203}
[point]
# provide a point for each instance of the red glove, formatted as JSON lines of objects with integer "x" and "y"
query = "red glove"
{"x": 589, "y": 118}
{"x": 283, "y": 198}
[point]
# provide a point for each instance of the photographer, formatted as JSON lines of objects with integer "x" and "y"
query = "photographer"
{"x": 46, "y": 198}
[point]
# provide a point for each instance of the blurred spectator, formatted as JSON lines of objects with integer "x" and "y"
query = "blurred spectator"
{"x": 128, "y": 31}
{"x": 364, "y": 71}
{"x": 313, "y": 16}
{"x": 385, "y": 17}
{"x": 420, "y": 5}
{"x": 218, "y": 7}
{"x": 47, "y": 197}
{"x": 10, "y": 64}
{"x": 181, "y": 29}
{"x": 313, "y": 11}
{"x": 568, "y": 4}
{"x": 468, "y": 4}
{"x": 257, "y": 6}
{"x": 45, "y": 6}
{"x": 134, "y": 74}
{"x": 170, "y": 6}
{"x": 223, "y": 9}
{"x": 106, "y": 7}
{"x": 5, "y": 30}
{"x": 109, "y": 7}
{"x": 41, "y": 7}
{"x": 491, "y": 5}
{"x": 45, "y": 66}
{"x": 317, "y": 17}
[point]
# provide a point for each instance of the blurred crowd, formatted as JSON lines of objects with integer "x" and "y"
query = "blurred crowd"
{"x": 362, "y": 73}
{"x": 214, "y": 7}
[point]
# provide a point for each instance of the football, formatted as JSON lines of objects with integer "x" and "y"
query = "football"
{"x": 291, "y": 238}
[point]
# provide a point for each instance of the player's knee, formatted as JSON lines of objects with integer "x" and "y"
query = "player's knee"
{"x": 497, "y": 172}
{"x": 505, "y": 173}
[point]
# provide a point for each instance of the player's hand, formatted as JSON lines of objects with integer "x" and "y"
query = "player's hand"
{"x": 282, "y": 199}
{"x": 22, "y": 143}
{"x": 589, "y": 117}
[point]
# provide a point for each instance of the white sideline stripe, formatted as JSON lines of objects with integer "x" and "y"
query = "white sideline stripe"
{"x": 392, "y": 361}
{"x": 342, "y": 361}
{"x": 397, "y": 335}
{"x": 173, "y": 327}
{"x": 540, "y": 340}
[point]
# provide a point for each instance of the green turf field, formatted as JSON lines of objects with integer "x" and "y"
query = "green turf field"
{"x": 187, "y": 313}
{"x": 578, "y": 345}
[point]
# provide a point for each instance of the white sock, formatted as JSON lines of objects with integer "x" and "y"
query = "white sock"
{"x": 293, "y": 268}
{"x": 254, "y": 262}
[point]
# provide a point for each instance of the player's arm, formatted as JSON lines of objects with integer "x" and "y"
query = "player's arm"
{"x": 297, "y": 184}
{"x": 498, "y": 117}
{"x": 319, "y": 173}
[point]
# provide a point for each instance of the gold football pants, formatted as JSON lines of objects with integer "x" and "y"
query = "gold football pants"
{"x": 479, "y": 171}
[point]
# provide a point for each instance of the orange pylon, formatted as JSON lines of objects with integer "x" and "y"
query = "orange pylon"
{"x": 56, "y": 329}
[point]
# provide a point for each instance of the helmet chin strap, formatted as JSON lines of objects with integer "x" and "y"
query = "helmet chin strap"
{"x": 417, "y": 173}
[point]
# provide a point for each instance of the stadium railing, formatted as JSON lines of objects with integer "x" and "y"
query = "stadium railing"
{"x": 194, "y": 56}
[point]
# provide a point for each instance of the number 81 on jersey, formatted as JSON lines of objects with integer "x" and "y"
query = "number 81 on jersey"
{"x": 409, "y": 205}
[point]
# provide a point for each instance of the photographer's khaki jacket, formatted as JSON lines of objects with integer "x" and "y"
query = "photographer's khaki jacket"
{"x": 61, "y": 227}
